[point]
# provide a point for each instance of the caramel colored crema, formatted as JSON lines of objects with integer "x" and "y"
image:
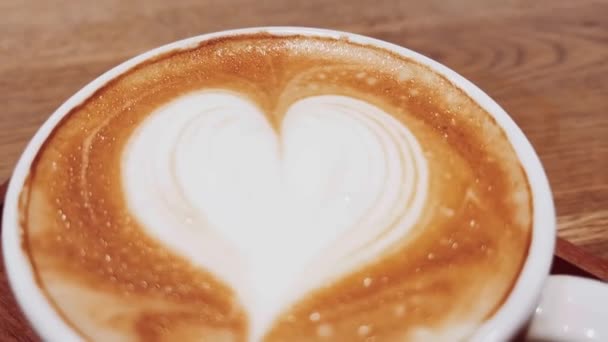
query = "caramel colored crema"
{"x": 276, "y": 188}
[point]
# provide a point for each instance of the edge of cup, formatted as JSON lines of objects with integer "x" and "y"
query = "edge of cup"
{"x": 512, "y": 315}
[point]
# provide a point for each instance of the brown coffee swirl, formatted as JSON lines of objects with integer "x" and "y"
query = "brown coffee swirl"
{"x": 137, "y": 206}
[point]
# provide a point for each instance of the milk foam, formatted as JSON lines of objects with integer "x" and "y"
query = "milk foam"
{"x": 274, "y": 214}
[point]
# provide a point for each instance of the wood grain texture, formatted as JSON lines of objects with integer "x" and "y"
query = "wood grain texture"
{"x": 544, "y": 61}
{"x": 594, "y": 266}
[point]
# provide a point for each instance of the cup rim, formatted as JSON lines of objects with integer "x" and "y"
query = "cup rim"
{"x": 503, "y": 324}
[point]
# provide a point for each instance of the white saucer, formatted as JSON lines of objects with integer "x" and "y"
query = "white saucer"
{"x": 571, "y": 309}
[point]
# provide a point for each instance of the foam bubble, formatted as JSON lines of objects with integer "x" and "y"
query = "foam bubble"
{"x": 325, "y": 330}
{"x": 399, "y": 310}
{"x": 364, "y": 330}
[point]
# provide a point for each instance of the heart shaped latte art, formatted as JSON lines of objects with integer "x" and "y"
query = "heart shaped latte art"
{"x": 274, "y": 212}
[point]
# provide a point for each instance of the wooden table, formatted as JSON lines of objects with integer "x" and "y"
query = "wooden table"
{"x": 544, "y": 61}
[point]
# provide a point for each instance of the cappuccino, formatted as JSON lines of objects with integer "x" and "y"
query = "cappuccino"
{"x": 262, "y": 187}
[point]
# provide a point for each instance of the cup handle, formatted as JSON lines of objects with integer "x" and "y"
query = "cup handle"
{"x": 571, "y": 309}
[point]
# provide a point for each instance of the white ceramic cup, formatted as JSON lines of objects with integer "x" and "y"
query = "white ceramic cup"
{"x": 516, "y": 311}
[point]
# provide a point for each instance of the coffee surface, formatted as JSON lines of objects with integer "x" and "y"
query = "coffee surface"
{"x": 277, "y": 188}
